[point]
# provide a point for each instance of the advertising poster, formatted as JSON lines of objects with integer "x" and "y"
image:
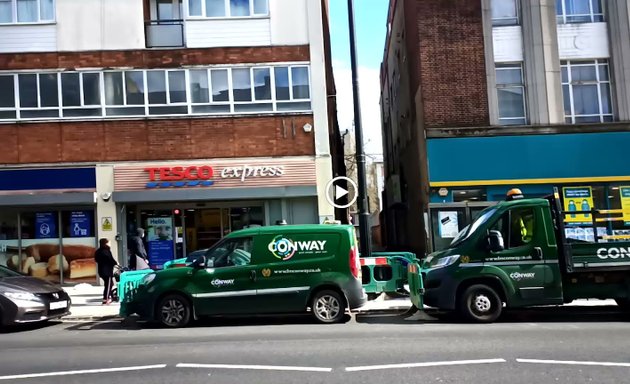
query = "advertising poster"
{"x": 625, "y": 203}
{"x": 577, "y": 199}
{"x": 448, "y": 224}
{"x": 160, "y": 239}
{"x": 46, "y": 225}
{"x": 81, "y": 224}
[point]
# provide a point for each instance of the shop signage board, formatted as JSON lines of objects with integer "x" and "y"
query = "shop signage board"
{"x": 217, "y": 174}
{"x": 577, "y": 199}
{"x": 448, "y": 224}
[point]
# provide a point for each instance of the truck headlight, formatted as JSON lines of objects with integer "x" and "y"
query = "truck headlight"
{"x": 444, "y": 261}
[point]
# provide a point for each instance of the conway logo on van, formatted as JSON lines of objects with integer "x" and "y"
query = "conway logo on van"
{"x": 284, "y": 248}
{"x": 613, "y": 253}
{"x": 521, "y": 276}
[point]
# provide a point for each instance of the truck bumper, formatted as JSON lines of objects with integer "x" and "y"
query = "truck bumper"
{"x": 440, "y": 290}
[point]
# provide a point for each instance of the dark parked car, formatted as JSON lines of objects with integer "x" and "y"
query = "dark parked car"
{"x": 25, "y": 299}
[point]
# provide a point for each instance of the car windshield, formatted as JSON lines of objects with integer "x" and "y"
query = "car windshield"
{"x": 470, "y": 229}
{"x": 6, "y": 272}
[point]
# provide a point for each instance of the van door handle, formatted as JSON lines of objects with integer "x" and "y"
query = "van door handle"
{"x": 538, "y": 253}
{"x": 252, "y": 275}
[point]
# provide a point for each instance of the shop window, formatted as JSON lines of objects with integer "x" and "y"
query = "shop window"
{"x": 76, "y": 260}
{"x": 9, "y": 247}
{"x": 40, "y": 245}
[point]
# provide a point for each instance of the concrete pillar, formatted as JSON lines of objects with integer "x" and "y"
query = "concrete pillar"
{"x": 542, "y": 62}
{"x": 491, "y": 75}
{"x": 618, "y": 13}
{"x": 106, "y": 215}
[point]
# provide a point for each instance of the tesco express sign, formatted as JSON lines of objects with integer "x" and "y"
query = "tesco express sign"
{"x": 194, "y": 175}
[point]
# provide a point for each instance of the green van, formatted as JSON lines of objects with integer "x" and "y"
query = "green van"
{"x": 276, "y": 269}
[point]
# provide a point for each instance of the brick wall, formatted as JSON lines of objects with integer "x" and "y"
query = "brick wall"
{"x": 171, "y": 58}
{"x": 452, "y": 63}
{"x": 164, "y": 139}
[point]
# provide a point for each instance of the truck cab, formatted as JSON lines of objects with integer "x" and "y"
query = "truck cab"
{"x": 515, "y": 254}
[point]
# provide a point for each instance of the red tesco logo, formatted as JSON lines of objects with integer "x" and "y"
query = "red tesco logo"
{"x": 204, "y": 172}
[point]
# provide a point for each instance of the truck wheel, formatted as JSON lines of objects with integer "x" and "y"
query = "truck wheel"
{"x": 328, "y": 307}
{"x": 624, "y": 304}
{"x": 480, "y": 303}
{"x": 174, "y": 311}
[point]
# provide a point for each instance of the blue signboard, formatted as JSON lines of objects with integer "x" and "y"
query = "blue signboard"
{"x": 159, "y": 253}
{"x": 46, "y": 225}
{"x": 81, "y": 224}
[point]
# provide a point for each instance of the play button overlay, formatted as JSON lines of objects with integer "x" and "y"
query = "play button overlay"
{"x": 338, "y": 188}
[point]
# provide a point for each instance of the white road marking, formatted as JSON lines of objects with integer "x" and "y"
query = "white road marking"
{"x": 81, "y": 372}
{"x": 561, "y": 362}
{"x": 427, "y": 364}
{"x": 258, "y": 367}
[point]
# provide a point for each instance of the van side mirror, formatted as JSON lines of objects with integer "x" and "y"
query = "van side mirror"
{"x": 495, "y": 241}
{"x": 199, "y": 263}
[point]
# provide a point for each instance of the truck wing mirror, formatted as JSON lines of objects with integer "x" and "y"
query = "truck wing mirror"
{"x": 495, "y": 241}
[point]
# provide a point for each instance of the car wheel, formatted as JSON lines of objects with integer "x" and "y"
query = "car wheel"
{"x": 480, "y": 303}
{"x": 328, "y": 307}
{"x": 174, "y": 311}
{"x": 624, "y": 304}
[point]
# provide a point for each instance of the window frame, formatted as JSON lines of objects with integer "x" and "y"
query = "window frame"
{"x": 597, "y": 63}
{"x": 563, "y": 18}
{"x": 39, "y": 21}
{"x": 225, "y": 241}
{"x": 522, "y": 85}
{"x": 228, "y": 11}
{"x": 508, "y": 215}
{"x": 496, "y": 22}
{"x": 117, "y": 110}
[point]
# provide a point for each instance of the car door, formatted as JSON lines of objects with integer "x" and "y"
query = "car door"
{"x": 522, "y": 259}
{"x": 227, "y": 284}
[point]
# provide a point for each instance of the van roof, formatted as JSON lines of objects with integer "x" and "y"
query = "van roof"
{"x": 292, "y": 228}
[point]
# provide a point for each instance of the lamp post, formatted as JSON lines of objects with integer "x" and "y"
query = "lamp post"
{"x": 364, "y": 214}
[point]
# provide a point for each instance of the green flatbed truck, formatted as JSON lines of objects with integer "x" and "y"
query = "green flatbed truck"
{"x": 517, "y": 254}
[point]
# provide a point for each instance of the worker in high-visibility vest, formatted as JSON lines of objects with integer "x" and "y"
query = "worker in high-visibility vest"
{"x": 525, "y": 229}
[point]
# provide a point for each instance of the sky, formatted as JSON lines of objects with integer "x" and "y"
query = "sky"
{"x": 370, "y": 17}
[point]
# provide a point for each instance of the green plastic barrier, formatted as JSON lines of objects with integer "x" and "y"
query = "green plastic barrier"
{"x": 129, "y": 282}
{"x": 416, "y": 285}
{"x": 385, "y": 272}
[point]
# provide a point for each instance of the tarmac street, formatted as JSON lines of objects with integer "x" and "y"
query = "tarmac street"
{"x": 572, "y": 344}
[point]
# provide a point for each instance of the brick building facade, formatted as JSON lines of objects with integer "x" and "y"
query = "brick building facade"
{"x": 227, "y": 104}
{"x": 485, "y": 95}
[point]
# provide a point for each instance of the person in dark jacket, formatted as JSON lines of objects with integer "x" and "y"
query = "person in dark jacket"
{"x": 106, "y": 263}
{"x": 136, "y": 250}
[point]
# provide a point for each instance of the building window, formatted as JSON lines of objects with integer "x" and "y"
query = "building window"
{"x": 155, "y": 92}
{"x": 227, "y": 8}
{"x": 505, "y": 12}
{"x": 26, "y": 11}
{"x": 586, "y": 91}
{"x": 511, "y": 94}
{"x": 579, "y": 11}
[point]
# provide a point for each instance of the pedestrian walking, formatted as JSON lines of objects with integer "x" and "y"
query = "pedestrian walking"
{"x": 137, "y": 253}
{"x": 106, "y": 263}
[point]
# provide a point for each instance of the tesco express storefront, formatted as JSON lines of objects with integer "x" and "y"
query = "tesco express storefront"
{"x": 189, "y": 206}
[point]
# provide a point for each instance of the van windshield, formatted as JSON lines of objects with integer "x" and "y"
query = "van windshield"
{"x": 470, "y": 229}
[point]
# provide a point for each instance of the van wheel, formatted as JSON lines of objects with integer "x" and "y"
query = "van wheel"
{"x": 174, "y": 311}
{"x": 624, "y": 304}
{"x": 480, "y": 303}
{"x": 328, "y": 307}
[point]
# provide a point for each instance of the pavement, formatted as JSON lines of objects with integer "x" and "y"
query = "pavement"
{"x": 87, "y": 304}
{"x": 572, "y": 344}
